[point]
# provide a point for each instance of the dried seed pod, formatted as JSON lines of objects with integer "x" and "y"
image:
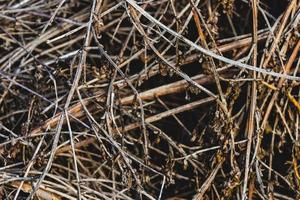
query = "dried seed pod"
{"x": 163, "y": 69}
{"x": 228, "y": 6}
{"x": 194, "y": 89}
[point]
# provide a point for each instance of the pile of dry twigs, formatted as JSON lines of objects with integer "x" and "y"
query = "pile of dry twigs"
{"x": 167, "y": 99}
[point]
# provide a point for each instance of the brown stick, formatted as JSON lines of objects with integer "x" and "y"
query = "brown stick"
{"x": 151, "y": 119}
{"x": 176, "y": 87}
{"x": 280, "y": 84}
{"x": 168, "y": 113}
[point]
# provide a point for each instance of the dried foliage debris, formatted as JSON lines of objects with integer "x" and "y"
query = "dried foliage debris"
{"x": 168, "y": 99}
